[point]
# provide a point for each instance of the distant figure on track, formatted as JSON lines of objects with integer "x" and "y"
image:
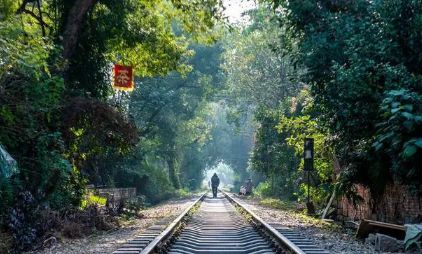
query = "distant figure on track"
{"x": 248, "y": 187}
{"x": 215, "y": 181}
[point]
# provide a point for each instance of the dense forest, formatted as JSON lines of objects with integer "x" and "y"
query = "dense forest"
{"x": 207, "y": 93}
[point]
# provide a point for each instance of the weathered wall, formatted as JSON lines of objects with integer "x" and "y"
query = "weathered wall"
{"x": 397, "y": 205}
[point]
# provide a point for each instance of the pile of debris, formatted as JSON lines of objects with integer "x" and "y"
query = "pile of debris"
{"x": 387, "y": 237}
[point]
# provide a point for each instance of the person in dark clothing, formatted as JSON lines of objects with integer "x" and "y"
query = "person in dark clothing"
{"x": 248, "y": 187}
{"x": 215, "y": 181}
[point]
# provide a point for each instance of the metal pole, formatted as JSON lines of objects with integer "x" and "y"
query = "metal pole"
{"x": 309, "y": 196}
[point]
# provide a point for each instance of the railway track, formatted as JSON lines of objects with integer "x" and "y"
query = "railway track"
{"x": 220, "y": 225}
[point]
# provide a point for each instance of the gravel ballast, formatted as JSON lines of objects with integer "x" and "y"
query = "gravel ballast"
{"x": 330, "y": 237}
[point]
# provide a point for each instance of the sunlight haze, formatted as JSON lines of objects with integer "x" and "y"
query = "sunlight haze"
{"x": 235, "y": 8}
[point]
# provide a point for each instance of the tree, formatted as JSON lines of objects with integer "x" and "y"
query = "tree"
{"x": 360, "y": 56}
{"x": 57, "y": 113}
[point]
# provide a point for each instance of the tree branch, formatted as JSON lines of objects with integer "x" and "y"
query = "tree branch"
{"x": 21, "y": 8}
{"x": 39, "y": 19}
{"x": 75, "y": 19}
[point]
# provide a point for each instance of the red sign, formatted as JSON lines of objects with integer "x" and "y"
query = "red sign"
{"x": 123, "y": 78}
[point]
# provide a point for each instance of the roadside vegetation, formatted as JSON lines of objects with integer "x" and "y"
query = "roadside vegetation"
{"x": 207, "y": 94}
{"x": 345, "y": 73}
{"x": 67, "y": 129}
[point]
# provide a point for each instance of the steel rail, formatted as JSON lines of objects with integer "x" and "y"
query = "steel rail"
{"x": 154, "y": 245}
{"x": 281, "y": 239}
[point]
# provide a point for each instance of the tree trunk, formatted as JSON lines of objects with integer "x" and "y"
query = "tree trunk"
{"x": 74, "y": 22}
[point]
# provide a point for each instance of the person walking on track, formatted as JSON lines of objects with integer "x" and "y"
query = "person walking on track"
{"x": 215, "y": 181}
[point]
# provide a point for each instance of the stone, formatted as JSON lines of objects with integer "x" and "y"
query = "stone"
{"x": 370, "y": 239}
{"x": 387, "y": 243}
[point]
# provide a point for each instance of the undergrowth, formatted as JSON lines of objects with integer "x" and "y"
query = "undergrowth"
{"x": 277, "y": 203}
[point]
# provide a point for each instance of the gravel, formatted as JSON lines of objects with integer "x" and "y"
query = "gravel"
{"x": 107, "y": 242}
{"x": 331, "y": 237}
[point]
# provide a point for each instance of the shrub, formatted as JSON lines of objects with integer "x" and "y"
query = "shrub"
{"x": 263, "y": 190}
{"x": 93, "y": 200}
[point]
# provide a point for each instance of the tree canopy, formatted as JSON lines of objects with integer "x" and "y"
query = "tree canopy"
{"x": 207, "y": 93}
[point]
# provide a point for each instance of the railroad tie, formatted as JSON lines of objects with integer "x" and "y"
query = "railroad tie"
{"x": 218, "y": 228}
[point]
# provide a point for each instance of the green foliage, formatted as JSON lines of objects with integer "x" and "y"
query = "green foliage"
{"x": 92, "y": 199}
{"x": 60, "y": 119}
{"x": 399, "y": 134}
{"x": 229, "y": 144}
{"x": 263, "y": 190}
{"x": 261, "y": 77}
{"x": 256, "y": 74}
{"x": 301, "y": 127}
{"x": 298, "y": 128}
{"x": 7, "y": 8}
{"x": 171, "y": 113}
{"x": 359, "y": 55}
{"x": 30, "y": 98}
{"x": 151, "y": 36}
{"x": 273, "y": 157}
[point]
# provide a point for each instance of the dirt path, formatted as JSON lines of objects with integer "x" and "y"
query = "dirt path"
{"x": 107, "y": 242}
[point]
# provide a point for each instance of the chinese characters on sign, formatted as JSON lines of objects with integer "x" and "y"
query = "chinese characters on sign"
{"x": 123, "y": 78}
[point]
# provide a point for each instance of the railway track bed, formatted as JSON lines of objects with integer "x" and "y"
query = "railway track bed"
{"x": 219, "y": 225}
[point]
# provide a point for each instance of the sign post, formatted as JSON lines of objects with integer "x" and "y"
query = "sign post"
{"x": 308, "y": 159}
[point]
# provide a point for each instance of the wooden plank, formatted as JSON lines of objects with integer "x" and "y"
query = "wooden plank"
{"x": 371, "y": 226}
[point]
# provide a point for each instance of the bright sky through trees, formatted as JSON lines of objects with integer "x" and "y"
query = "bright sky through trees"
{"x": 235, "y": 8}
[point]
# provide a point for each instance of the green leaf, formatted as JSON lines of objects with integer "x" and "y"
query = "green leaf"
{"x": 377, "y": 145}
{"x": 395, "y": 104}
{"x": 418, "y": 142}
{"x": 409, "y": 151}
{"x": 394, "y": 110}
{"x": 407, "y": 115}
{"x": 408, "y": 107}
{"x": 408, "y": 125}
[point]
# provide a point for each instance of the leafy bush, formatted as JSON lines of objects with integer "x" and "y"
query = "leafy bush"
{"x": 92, "y": 199}
{"x": 399, "y": 134}
{"x": 360, "y": 55}
{"x": 263, "y": 190}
